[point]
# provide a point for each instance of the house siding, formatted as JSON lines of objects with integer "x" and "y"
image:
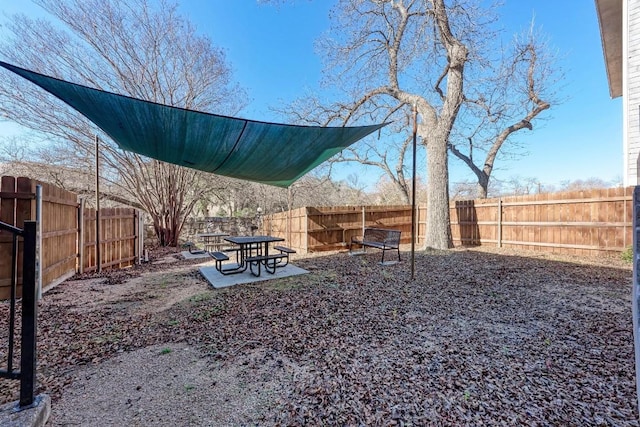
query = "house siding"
{"x": 632, "y": 88}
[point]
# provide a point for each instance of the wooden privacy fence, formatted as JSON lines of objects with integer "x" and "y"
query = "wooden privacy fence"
{"x": 580, "y": 222}
{"x": 120, "y": 234}
{"x": 66, "y": 244}
{"x": 314, "y": 229}
{"x": 577, "y": 222}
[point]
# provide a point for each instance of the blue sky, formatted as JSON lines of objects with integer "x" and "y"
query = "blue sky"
{"x": 271, "y": 50}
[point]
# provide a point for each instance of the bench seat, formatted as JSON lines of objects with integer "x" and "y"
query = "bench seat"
{"x": 284, "y": 249}
{"x": 270, "y": 262}
{"x": 378, "y": 238}
{"x": 219, "y": 256}
{"x": 193, "y": 249}
{"x": 264, "y": 257}
{"x": 372, "y": 244}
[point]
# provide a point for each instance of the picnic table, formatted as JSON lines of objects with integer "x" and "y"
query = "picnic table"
{"x": 211, "y": 241}
{"x": 252, "y": 252}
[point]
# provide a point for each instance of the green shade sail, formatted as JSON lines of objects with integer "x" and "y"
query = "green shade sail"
{"x": 270, "y": 153}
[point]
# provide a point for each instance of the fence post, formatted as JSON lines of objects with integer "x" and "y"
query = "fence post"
{"x": 624, "y": 229}
{"x": 141, "y": 235}
{"x": 29, "y": 315}
{"x": 136, "y": 237}
{"x": 499, "y": 222}
{"x": 306, "y": 230}
{"x": 81, "y": 226}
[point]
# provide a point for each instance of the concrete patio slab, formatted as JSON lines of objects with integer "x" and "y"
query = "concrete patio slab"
{"x": 218, "y": 280}
{"x": 189, "y": 255}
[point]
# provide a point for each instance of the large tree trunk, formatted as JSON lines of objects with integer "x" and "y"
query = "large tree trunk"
{"x": 438, "y": 225}
{"x": 483, "y": 186}
{"x": 438, "y": 218}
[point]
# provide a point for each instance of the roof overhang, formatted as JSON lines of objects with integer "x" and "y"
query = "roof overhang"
{"x": 610, "y": 19}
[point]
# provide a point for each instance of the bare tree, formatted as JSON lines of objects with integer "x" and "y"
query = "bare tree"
{"x": 377, "y": 52}
{"x": 592, "y": 183}
{"x": 128, "y": 47}
{"x": 386, "y": 192}
{"x": 390, "y": 158}
{"x": 380, "y": 53}
{"x": 386, "y": 153}
{"x": 518, "y": 186}
{"x": 387, "y": 56}
{"x": 515, "y": 95}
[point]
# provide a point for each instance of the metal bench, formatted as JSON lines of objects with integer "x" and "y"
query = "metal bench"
{"x": 193, "y": 249}
{"x": 219, "y": 257}
{"x": 270, "y": 262}
{"x": 379, "y": 238}
{"x": 284, "y": 249}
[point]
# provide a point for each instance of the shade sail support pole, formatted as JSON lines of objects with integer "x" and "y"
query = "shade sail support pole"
{"x": 413, "y": 195}
{"x": 98, "y": 252}
{"x": 289, "y": 207}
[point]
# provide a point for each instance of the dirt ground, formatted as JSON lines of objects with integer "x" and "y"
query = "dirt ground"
{"x": 479, "y": 337}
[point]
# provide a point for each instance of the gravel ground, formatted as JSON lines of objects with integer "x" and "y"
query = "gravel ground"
{"x": 480, "y": 337}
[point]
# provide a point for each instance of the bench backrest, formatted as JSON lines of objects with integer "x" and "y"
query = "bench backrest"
{"x": 382, "y": 235}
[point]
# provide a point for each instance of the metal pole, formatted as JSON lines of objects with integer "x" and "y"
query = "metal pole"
{"x": 289, "y": 206}
{"x": 29, "y": 314}
{"x": 635, "y": 295}
{"x": 98, "y": 254}
{"x": 12, "y": 301}
{"x": 413, "y": 195}
{"x": 39, "y": 241}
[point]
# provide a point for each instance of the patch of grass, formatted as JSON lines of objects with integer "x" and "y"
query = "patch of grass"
{"x": 173, "y": 322}
{"x": 114, "y": 337}
{"x": 110, "y": 336}
{"x": 164, "y": 281}
{"x": 189, "y": 387}
{"x": 205, "y": 296}
{"x": 165, "y": 350}
{"x": 627, "y": 254}
{"x": 207, "y": 312}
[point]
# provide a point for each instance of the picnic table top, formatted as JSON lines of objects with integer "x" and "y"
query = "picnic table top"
{"x": 212, "y": 234}
{"x": 243, "y": 240}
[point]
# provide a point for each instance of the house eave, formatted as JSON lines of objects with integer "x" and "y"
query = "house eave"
{"x": 610, "y": 20}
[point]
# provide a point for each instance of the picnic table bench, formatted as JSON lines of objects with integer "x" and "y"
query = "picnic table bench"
{"x": 379, "y": 238}
{"x": 270, "y": 261}
{"x": 194, "y": 249}
{"x": 252, "y": 252}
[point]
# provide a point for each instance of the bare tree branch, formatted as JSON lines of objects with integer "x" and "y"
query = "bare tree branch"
{"x": 128, "y": 47}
